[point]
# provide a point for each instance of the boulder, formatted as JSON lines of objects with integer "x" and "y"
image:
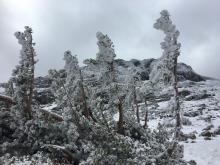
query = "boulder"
{"x": 191, "y": 113}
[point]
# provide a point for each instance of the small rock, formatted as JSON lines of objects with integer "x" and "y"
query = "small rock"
{"x": 206, "y": 133}
{"x": 208, "y": 127}
{"x": 185, "y": 137}
{"x": 192, "y": 162}
{"x": 208, "y": 118}
{"x": 192, "y": 113}
{"x": 202, "y": 106}
{"x": 186, "y": 121}
{"x": 184, "y": 93}
{"x": 217, "y": 131}
{"x": 207, "y": 138}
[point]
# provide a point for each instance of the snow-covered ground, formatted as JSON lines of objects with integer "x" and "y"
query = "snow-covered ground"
{"x": 204, "y": 152}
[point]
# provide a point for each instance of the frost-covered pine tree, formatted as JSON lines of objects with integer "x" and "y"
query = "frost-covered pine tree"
{"x": 165, "y": 70}
{"x": 23, "y": 74}
{"x": 75, "y": 87}
{"x": 109, "y": 85}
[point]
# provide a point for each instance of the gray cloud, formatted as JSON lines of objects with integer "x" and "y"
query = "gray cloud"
{"x": 63, "y": 25}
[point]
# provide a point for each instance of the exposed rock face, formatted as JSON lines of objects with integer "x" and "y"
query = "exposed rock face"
{"x": 184, "y": 72}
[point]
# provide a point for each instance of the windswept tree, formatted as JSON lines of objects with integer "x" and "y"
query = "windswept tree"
{"x": 23, "y": 74}
{"x": 109, "y": 85}
{"x": 75, "y": 87}
{"x": 166, "y": 69}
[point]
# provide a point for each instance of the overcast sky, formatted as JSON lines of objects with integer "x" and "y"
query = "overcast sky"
{"x": 61, "y": 25}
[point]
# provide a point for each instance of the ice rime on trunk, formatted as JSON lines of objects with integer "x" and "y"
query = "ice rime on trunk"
{"x": 23, "y": 74}
{"x": 165, "y": 70}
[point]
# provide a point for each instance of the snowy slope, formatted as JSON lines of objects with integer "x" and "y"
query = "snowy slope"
{"x": 204, "y": 152}
{"x": 201, "y": 112}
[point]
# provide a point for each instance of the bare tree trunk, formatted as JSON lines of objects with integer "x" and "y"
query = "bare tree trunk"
{"x": 121, "y": 118}
{"x": 85, "y": 109}
{"x": 31, "y": 81}
{"x": 177, "y": 106}
{"x": 11, "y": 88}
{"x": 146, "y": 114}
{"x": 172, "y": 148}
{"x": 136, "y": 104}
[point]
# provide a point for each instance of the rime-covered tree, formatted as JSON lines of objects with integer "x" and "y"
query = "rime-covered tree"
{"x": 75, "y": 86}
{"x": 166, "y": 69}
{"x": 23, "y": 74}
{"x": 109, "y": 85}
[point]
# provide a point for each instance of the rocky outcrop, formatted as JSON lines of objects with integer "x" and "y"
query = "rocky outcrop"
{"x": 184, "y": 72}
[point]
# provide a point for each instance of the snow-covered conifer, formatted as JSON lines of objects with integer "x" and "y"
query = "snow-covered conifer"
{"x": 165, "y": 70}
{"x": 23, "y": 75}
{"x": 109, "y": 85}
